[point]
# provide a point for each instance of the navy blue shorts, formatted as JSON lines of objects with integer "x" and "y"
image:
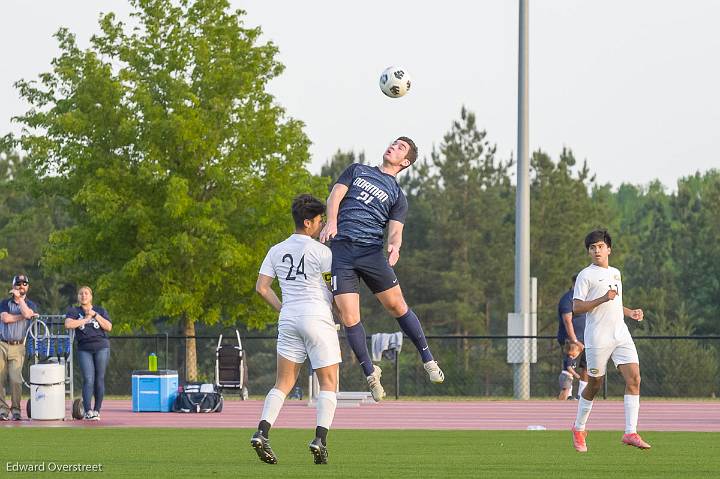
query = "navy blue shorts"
{"x": 352, "y": 261}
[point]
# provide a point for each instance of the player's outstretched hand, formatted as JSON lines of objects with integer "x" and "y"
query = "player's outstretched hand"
{"x": 637, "y": 314}
{"x": 393, "y": 254}
{"x": 328, "y": 232}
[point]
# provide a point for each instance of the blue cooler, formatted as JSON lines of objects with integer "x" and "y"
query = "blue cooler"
{"x": 154, "y": 391}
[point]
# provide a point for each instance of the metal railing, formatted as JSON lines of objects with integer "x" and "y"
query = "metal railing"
{"x": 671, "y": 366}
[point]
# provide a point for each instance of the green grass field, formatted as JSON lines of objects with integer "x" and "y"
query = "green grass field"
{"x": 158, "y": 453}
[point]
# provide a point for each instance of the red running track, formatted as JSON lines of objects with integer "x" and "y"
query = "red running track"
{"x": 487, "y": 415}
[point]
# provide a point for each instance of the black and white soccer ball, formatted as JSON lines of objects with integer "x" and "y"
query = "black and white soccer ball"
{"x": 395, "y": 81}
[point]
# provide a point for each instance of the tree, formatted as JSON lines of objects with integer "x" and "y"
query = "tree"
{"x": 459, "y": 225}
{"x": 648, "y": 232}
{"x": 665, "y": 361}
{"x": 463, "y": 203}
{"x": 563, "y": 211}
{"x": 179, "y": 166}
{"x": 337, "y": 164}
{"x": 697, "y": 248}
{"x": 27, "y": 217}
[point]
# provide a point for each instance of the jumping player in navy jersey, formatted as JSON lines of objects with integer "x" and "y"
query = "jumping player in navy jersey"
{"x": 363, "y": 202}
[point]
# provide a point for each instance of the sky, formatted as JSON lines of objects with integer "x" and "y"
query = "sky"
{"x": 631, "y": 87}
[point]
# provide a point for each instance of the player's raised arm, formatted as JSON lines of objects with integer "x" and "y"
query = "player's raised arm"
{"x": 263, "y": 286}
{"x": 333, "y": 205}
{"x": 581, "y": 303}
{"x": 580, "y": 306}
{"x": 395, "y": 231}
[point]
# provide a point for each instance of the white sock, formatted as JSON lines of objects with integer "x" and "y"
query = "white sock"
{"x": 581, "y": 386}
{"x": 584, "y": 408}
{"x": 326, "y": 404}
{"x": 273, "y": 403}
{"x": 632, "y": 409}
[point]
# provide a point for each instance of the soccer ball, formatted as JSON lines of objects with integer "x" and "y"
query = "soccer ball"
{"x": 395, "y": 81}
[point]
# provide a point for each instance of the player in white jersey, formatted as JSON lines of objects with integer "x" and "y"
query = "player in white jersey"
{"x": 305, "y": 328}
{"x": 598, "y": 292}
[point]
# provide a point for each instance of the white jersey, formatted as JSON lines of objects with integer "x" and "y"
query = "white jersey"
{"x": 605, "y": 324}
{"x": 301, "y": 265}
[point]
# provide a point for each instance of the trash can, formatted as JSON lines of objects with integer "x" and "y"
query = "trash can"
{"x": 154, "y": 391}
{"x": 47, "y": 391}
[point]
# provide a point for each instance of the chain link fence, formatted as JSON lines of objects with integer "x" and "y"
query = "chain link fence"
{"x": 474, "y": 366}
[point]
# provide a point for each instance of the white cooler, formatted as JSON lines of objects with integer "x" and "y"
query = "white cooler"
{"x": 47, "y": 391}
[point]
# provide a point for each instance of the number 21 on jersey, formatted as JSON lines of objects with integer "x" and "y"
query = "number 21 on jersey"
{"x": 365, "y": 197}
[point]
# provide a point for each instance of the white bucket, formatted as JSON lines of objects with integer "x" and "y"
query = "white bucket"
{"x": 47, "y": 391}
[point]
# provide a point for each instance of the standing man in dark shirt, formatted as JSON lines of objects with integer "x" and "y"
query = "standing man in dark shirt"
{"x": 15, "y": 315}
{"x": 571, "y": 327}
{"x": 363, "y": 202}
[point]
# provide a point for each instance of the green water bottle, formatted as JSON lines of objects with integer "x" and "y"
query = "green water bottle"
{"x": 152, "y": 362}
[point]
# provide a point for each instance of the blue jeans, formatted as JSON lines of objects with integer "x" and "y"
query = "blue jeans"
{"x": 93, "y": 365}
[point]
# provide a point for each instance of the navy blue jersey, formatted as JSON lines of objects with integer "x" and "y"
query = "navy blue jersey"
{"x": 90, "y": 337}
{"x": 569, "y": 362}
{"x": 578, "y": 320}
{"x": 373, "y": 199}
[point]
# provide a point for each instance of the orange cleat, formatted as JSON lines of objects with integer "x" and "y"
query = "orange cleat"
{"x": 634, "y": 439}
{"x": 579, "y": 440}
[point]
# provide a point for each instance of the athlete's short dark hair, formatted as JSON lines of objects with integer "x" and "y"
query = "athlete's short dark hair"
{"x": 306, "y": 207}
{"x": 597, "y": 236}
{"x": 412, "y": 153}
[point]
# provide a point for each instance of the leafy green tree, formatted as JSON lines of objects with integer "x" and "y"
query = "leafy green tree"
{"x": 337, "y": 164}
{"x": 697, "y": 251}
{"x": 665, "y": 362}
{"x": 180, "y": 167}
{"x": 467, "y": 192}
{"x": 27, "y": 217}
{"x": 460, "y": 223}
{"x": 651, "y": 272}
{"x": 563, "y": 210}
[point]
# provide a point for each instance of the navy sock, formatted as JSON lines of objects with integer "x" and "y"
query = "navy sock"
{"x": 264, "y": 428}
{"x": 410, "y": 325}
{"x": 321, "y": 432}
{"x": 356, "y": 339}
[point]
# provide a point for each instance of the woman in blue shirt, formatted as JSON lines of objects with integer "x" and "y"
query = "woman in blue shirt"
{"x": 91, "y": 325}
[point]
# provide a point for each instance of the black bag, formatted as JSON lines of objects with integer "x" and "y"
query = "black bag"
{"x": 191, "y": 399}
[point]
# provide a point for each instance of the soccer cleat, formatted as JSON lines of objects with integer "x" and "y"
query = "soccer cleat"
{"x": 319, "y": 451}
{"x": 378, "y": 392}
{"x": 261, "y": 444}
{"x": 434, "y": 372}
{"x": 579, "y": 440}
{"x": 634, "y": 439}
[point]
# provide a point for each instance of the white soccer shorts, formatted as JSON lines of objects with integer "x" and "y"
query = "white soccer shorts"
{"x": 597, "y": 358}
{"x": 315, "y": 337}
